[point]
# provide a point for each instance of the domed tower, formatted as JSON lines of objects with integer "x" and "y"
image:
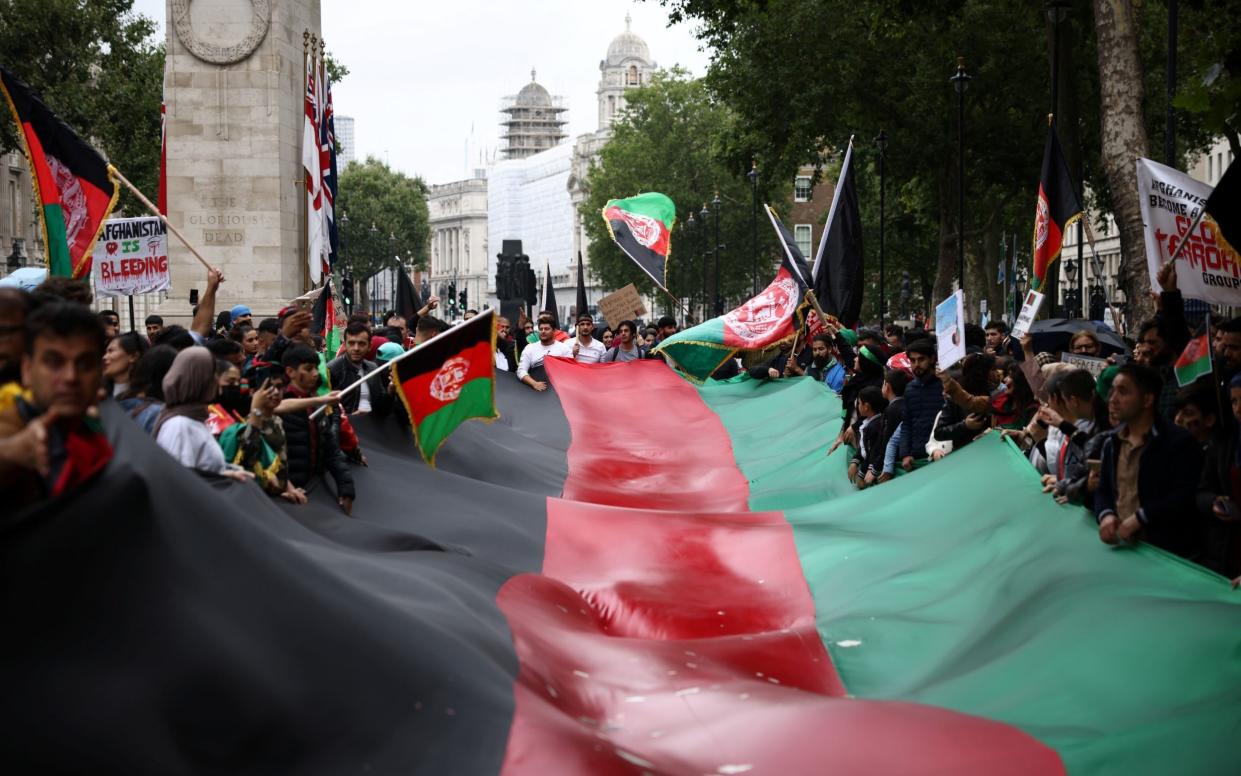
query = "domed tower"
{"x": 532, "y": 121}
{"x": 628, "y": 66}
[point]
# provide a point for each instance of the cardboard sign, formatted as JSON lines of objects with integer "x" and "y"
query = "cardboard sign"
{"x": 1208, "y": 268}
{"x": 623, "y": 305}
{"x": 1034, "y": 300}
{"x": 1091, "y": 364}
{"x": 950, "y": 329}
{"x": 131, "y": 257}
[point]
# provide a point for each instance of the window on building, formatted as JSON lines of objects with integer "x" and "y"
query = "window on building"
{"x": 632, "y": 80}
{"x": 611, "y": 106}
{"x": 801, "y": 189}
{"x": 802, "y": 235}
{"x": 15, "y": 220}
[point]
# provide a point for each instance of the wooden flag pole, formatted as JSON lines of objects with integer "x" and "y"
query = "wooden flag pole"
{"x": 154, "y": 209}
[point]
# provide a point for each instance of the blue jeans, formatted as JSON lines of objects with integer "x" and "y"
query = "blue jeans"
{"x": 889, "y": 453}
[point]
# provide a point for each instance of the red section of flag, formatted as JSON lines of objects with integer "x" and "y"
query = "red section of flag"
{"x": 649, "y": 627}
{"x": 1197, "y": 348}
{"x": 1048, "y": 236}
{"x": 85, "y": 206}
{"x": 475, "y": 362}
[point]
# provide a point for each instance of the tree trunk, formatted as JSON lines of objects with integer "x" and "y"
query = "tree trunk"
{"x": 946, "y": 266}
{"x": 1124, "y": 140}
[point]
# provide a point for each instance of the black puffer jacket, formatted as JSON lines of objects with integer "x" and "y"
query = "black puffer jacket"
{"x": 314, "y": 448}
{"x": 342, "y": 373}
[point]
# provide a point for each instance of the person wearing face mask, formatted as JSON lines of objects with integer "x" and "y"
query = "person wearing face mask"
{"x": 232, "y": 403}
{"x": 181, "y": 428}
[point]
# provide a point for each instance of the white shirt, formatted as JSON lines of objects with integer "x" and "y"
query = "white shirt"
{"x": 501, "y": 361}
{"x": 532, "y": 357}
{"x": 191, "y": 443}
{"x": 591, "y": 353}
{"x": 364, "y": 397}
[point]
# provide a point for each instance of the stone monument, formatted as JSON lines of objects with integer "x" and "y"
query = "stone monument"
{"x": 234, "y": 91}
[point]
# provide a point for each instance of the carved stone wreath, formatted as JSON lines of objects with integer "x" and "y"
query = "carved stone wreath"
{"x": 260, "y": 21}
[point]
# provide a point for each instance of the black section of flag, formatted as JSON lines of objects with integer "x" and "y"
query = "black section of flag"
{"x": 583, "y": 307}
{"x": 838, "y": 266}
{"x": 323, "y": 314}
{"x": 651, "y": 262}
{"x": 407, "y": 301}
{"x": 1224, "y": 205}
{"x": 548, "y": 300}
{"x": 432, "y": 355}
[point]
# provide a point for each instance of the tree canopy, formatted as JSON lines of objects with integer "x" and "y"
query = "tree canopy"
{"x": 97, "y": 66}
{"x": 372, "y": 194}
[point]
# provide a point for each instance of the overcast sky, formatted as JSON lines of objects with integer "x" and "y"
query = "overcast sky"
{"x": 422, "y": 74}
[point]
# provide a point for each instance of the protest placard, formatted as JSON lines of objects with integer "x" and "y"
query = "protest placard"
{"x": 622, "y": 305}
{"x": 950, "y": 329}
{"x": 131, "y": 257}
{"x": 1208, "y": 268}
{"x": 1091, "y": 364}
{"x": 1034, "y": 300}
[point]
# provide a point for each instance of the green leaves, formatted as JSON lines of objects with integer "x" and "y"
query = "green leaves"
{"x": 373, "y": 195}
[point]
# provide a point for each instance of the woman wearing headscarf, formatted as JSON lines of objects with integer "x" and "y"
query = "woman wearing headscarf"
{"x": 181, "y": 429}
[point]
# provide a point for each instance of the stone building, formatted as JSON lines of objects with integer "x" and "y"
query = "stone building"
{"x": 459, "y": 246}
{"x": 21, "y": 243}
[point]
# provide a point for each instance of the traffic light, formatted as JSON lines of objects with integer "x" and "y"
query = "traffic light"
{"x": 346, "y": 291}
{"x": 452, "y": 300}
{"x": 464, "y": 297}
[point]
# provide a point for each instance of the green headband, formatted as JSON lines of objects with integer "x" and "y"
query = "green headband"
{"x": 869, "y": 355}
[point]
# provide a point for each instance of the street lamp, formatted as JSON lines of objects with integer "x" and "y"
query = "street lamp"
{"x": 882, "y": 143}
{"x": 1071, "y": 307}
{"x": 703, "y": 214}
{"x": 961, "y": 82}
{"x": 374, "y": 230}
{"x": 719, "y": 248}
{"x": 753, "y": 176}
{"x": 691, "y": 225}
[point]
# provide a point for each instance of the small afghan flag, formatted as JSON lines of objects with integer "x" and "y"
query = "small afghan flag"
{"x": 72, "y": 182}
{"x": 776, "y": 314}
{"x": 1058, "y": 207}
{"x": 1195, "y": 360}
{"x": 449, "y": 379}
{"x": 642, "y": 227}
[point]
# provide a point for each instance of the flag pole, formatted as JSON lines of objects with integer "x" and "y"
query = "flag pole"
{"x": 155, "y": 209}
{"x": 358, "y": 383}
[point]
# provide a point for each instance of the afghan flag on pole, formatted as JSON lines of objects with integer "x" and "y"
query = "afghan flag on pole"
{"x": 775, "y": 314}
{"x": 642, "y": 227}
{"x": 447, "y": 380}
{"x": 1058, "y": 207}
{"x": 1195, "y": 360}
{"x": 72, "y": 182}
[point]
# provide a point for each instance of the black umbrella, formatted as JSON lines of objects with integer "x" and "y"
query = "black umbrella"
{"x": 1054, "y": 334}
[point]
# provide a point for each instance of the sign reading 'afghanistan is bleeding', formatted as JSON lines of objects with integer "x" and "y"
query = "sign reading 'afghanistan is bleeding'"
{"x": 131, "y": 257}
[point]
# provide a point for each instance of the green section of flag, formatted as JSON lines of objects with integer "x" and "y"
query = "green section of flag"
{"x": 698, "y": 350}
{"x": 475, "y": 401}
{"x": 652, "y": 203}
{"x": 58, "y": 262}
{"x": 963, "y": 586}
{"x": 1194, "y": 362}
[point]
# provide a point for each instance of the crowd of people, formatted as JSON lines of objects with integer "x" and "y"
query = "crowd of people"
{"x": 232, "y": 397}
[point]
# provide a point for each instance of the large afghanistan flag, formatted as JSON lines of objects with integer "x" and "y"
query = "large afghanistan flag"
{"x": 72, "y": 182}
{"x": 642, "y": 227}
{"x": 1058, "y": 207}
{"x": 447, "y": 380}
{"x": 681, "y": 586}
{"x": 775, "y": 314}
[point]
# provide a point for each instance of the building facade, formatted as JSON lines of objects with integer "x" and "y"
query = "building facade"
{"x": 459, "y": 244}
{"x": 532, "y": 121}
{"x": 21, "y": 243}
{"x": 346, "y": 139}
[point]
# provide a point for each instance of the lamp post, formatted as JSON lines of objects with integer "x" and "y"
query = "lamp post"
{"x": 753, "y": 176}
{"x": 960, "y": 82}
{"x": 1072, "y": 308}
{"x": 705, "y": 251}
{"x": 719, "y": 248}
{"x": 347, "y": 271}
{"x": 374, "y": 230}
{"x": 691, "y": 225}
{"x": 881, "y": 141}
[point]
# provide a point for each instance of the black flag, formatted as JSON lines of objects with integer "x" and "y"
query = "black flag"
{"x": 1224, "y": 205}
{"x": 837, "y": 269}
{"x": 583, "y": 307}
{"x": 548, "y": 300}
{"x": 407, "y": 304}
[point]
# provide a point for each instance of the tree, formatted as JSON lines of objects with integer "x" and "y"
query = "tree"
{"x": 372, "y": 194}
{"x": 96, "y": 66}
{"x": 671, "y": 139}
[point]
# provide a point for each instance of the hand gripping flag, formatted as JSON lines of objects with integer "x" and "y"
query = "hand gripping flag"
{"x": 775, "y": 314}
{"x": 73, "y": 184}
{"x": 1058, "y": 207}
{"x": 642, "y": 227}
{"x": 448, "y": 380}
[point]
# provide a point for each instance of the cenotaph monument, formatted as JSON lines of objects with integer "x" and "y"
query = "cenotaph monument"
{"x": 234, "y": 91}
